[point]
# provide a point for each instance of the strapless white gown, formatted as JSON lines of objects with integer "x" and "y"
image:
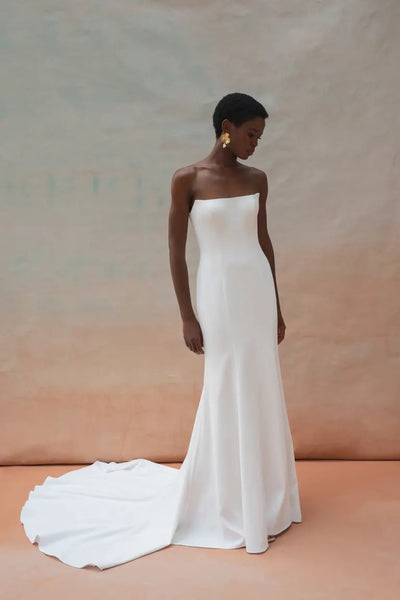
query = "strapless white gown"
{"x": 237, "y": 483}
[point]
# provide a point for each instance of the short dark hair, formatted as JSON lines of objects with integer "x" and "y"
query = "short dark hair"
{"x": 237, "y": 108}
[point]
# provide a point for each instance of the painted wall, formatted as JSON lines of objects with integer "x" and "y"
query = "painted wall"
{"x": 100, "y": 102}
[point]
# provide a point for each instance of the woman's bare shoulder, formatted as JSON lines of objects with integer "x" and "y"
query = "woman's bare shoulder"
{"x": 182, "y": 184}
{"x": 262, "y": 180}
{"x": 187, "y": 171}
{"x": 185, "y": 175}
{"x": 257, "y": 174}
{"x": 184, "y": 178}
{"x": 258, "y": 177}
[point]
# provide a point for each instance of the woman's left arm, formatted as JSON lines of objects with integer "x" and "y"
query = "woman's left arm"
{"x": 267, "y": 248}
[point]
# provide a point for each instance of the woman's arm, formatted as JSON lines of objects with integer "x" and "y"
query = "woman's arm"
{"x": 267, "y": 248}
{"x": 177, "y": 235}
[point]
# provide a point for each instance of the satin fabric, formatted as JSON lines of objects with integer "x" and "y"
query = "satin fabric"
{"x": 237, "y": 483}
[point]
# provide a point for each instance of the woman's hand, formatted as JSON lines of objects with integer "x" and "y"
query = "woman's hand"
{"x": 281, "y": 327}
{"x": 193, "y": 335}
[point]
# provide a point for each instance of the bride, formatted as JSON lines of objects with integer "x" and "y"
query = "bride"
{"x": 237, "y": 485}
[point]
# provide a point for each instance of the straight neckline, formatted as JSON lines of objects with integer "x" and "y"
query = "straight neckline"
{"x": 225, "y": 197}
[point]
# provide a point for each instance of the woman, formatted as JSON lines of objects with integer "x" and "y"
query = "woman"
{"x": 240, "y": 484}
{"x": 237, "y": 485}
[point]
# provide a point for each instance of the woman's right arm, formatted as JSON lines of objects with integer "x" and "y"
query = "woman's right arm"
{"x": 177, "y": 235}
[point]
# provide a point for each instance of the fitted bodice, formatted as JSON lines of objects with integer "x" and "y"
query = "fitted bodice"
{"x": 226, "y": 227}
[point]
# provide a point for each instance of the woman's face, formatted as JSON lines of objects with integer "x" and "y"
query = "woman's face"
{"x": 245, "y": 137}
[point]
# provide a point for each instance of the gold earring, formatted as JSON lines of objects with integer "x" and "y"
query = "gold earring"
{"x": 225, "y": 139}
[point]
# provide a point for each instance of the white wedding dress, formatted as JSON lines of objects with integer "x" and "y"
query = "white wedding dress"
{"x": 237, "y": 483}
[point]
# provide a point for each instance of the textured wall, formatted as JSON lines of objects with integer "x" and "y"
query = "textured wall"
{"x": 100, "y": 102}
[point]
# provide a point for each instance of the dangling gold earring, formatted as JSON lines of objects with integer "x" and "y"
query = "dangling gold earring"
{"x": 225, "y": 139}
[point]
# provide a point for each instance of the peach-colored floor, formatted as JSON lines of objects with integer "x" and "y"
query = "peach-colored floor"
{"x": 347, "y": 547}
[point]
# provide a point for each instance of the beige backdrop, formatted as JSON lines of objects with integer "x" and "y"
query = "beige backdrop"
{"x": 100, "y": 102}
